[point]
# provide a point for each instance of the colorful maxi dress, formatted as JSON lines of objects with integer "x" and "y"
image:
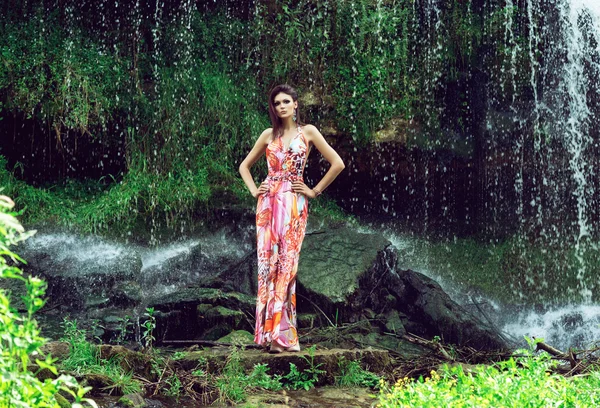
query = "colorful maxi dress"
{"x": 280, "y": 225}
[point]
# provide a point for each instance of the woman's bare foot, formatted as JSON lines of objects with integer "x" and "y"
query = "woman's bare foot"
{"x": 294, "y": 348}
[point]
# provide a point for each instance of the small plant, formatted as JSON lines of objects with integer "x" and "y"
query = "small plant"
{"x": 149, "y": 325}
{"x": 122, "y": 329}
{"x": 82, "y": 354}
{"x": 174, "y": 387}
{"x": 232, "y": 383}
{"x": 259, "y": 378}
{"x": 352, "y": 374}
{"x": 305, "y": 379}
{"x": 178, "y": 355}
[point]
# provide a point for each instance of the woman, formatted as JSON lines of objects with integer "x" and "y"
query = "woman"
{"x": 281, "y": 214}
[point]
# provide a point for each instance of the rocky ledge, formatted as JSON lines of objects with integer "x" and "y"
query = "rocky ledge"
{"x": 347, "y": 278}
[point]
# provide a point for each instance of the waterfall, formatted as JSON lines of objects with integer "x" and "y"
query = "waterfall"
{"x": 581, "y": 19}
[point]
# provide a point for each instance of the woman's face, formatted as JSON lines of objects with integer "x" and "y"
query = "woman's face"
{"x": 284, "y": 105}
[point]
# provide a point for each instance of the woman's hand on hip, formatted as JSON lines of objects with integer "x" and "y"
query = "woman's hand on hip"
{"x": 263, "y": 188}
{"x": 301, "y": 188}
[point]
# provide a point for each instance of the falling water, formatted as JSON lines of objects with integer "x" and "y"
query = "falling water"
{"x": 577, "y": 138}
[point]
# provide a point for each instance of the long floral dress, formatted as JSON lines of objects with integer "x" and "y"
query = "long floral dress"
{"x": 280, "y": 225}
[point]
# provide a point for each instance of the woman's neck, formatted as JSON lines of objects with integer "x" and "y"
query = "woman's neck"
{"x": 288, "y": 124}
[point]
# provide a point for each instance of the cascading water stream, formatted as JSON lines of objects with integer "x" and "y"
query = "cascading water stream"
{"x": 577, "y": 139}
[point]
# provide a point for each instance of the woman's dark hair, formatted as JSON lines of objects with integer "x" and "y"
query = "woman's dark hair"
{"x": 276, "y": 120}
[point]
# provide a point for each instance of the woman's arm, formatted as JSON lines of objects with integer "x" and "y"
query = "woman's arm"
{"x": 257, "y": 151}
{"x": 336, "y": 163}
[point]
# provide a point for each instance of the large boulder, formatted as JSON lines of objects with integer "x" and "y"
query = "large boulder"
{"x": 351, "y": 276}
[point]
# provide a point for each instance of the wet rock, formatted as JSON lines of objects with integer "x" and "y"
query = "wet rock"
{"x": 81, "y": 271}
{"x": 394, "y": 323}
{"x": 432, "y": 311}
{"x": 56, "y": 349}
{"x": 202, "y": 313}
{"x": 331, "y": 263}
{"x": 16, "y": 290}
{"x": 129, "y": 360}
{"x": 351, "y": 275}
{"x": 202, "y": 259}
{"x": 132, "y": 401}
{"x": 220, "y": 320}
{"x": 238, "y": 337}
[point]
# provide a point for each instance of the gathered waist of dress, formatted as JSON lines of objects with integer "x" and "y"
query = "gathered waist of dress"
{"x": 284, "y": 177}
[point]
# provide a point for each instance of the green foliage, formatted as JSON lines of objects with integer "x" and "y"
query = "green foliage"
{"x": 352, "y": 374}
{"x": 304, "y": 379}
{"x": 518, "y": 382}
{"x": 174, "y": 387}
{"x": 178, "y": 355}
{"x": 259, "y": 378}
{"x": 233, "y": 384}
{"x": 190, "y": 105}
{"x": 84, "y": 358}
{"x": 20, "y": 338}
{"x": 149, "y": 325}
{"x": 63, "y": 78}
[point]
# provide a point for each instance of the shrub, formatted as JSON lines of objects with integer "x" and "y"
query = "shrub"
{"x": 20, "y": 339}
{"x": 518, "y": 382}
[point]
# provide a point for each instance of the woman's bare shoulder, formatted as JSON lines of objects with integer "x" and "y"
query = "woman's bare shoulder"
{"x": 311, "y": 131}
{"x": 266, "y": 135}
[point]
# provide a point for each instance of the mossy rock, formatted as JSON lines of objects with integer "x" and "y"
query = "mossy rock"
{"x": 200, "y": 295}
{"x": 132, "y": 401}
{"x": 98, "y": 382}
{"x": 333, "y": 262}
{"x": 129, "y": 360}
{"x": 240, "y": 337}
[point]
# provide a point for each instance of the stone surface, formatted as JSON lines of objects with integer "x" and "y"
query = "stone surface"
{"x": 331, "y": 262}
{"x": 351, "y": 276}
{"x": 322, "y": 397}
{"x": 136, "y": 362}
{"x": 345, "y": 277}
{"x": 56, "y": 349}
{"x": 239, "y": 337}
{"x": 206, "y": 313}
{"x": 133, "y": 401}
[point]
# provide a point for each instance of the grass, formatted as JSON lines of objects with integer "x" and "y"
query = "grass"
{"x": 352, "y": 374}
{"x": 233, "y": 384}
{"x": 84, "y": 359}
